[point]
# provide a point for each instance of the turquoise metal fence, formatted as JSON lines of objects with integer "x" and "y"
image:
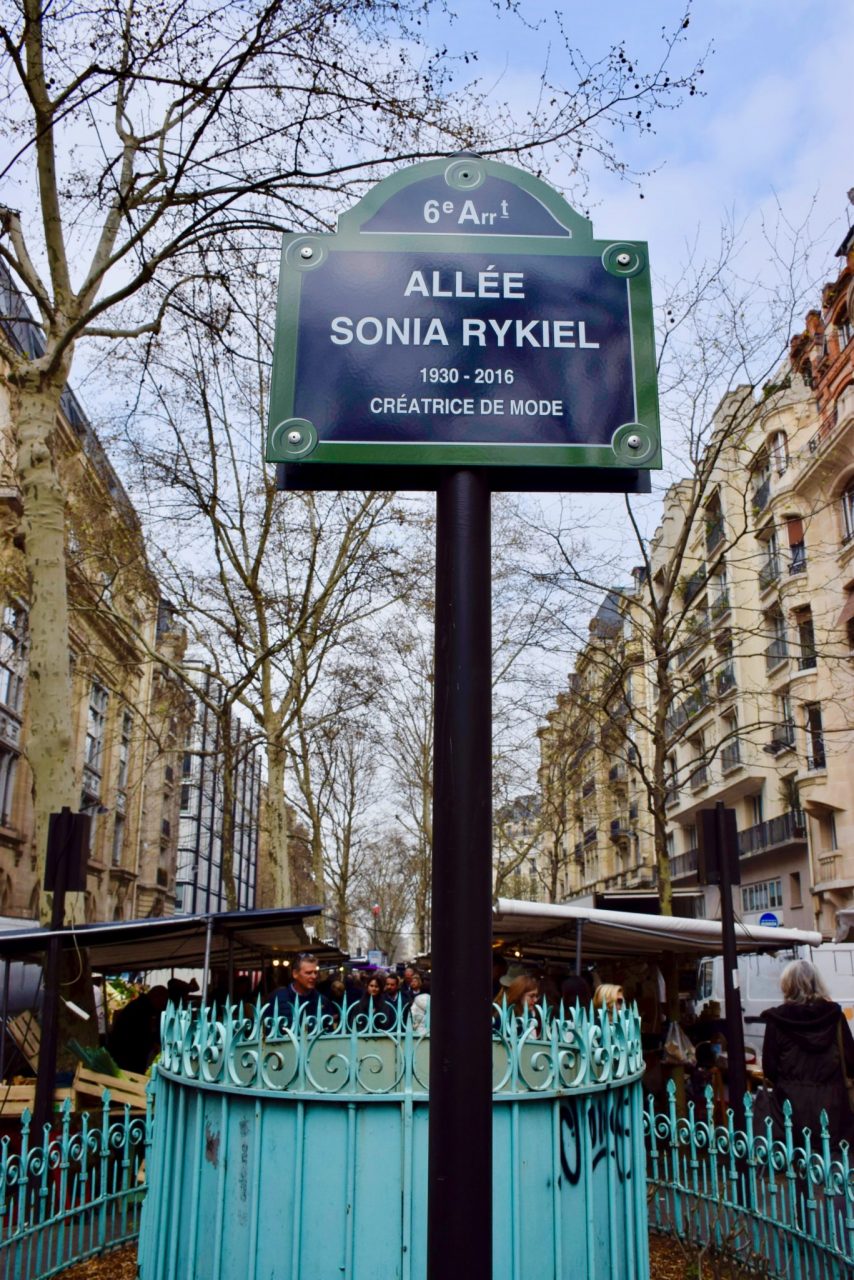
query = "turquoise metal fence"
{"x": 78, "y": 1193}
{"x": 287, "y": 1151}
{"x": 783, "y": 1206}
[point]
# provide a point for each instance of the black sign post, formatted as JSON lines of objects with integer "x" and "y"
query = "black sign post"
{"x": 463, "y": 331}
{"x": 65, "y": 871}
{"x": 718, "y": 864}
{"x": 460, "y": 1142}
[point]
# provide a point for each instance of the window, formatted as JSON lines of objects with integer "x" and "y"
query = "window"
{"x": 124, "y": 750}
{"x": 96, "y": 725}
{"x": 843, "y": 329}
{"x": 118, "y": 839}
{"x": 806, "y": 640}
{"x": 815, "y": 735}
{"x": 671, "y": 844}
{"x": 770, "y": 570}
{"x": 847, "y": 501}
{"x": 778, "y": 649}
{"x": 13, "y": 660}
{"x": 779, "y": 451}
{"x": 757, "y": 804}
{"x": 846, "y": 617}
{"x": 690, "y": 837}
{"x": 764, "y": 896}
{"x": 8, "y": 769}
{"x": 185, "y": 798}
{"x": 730, "y": 745}
{"x": 795, "y": 896}
{"x": 714, "y": 523}
{"x": 797, "y": 545}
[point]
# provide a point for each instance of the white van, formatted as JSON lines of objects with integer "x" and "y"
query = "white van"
{"x": 759, "y": 979}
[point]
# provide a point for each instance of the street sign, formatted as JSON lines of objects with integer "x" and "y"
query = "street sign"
{"x": 769, "y": 920}
{"x": 463, "y": 314}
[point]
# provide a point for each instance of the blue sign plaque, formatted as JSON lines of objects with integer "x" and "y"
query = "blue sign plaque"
{"x": 464, "y": 314}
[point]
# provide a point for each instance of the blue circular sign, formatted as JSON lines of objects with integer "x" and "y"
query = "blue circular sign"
{"x": 769, "y": 920}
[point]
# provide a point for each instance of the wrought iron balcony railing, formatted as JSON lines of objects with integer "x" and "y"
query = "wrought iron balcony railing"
{"x": 782, "y": 738}
{"x": 683, "y": 864}
{"x": 730, "y": 756}
{"x": 784, "y": 829}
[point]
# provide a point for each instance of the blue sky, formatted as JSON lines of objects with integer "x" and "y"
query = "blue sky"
{"x": 774, "y": 123}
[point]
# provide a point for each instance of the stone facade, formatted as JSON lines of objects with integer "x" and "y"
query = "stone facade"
{"x": 129, "y": 713}
{"x": 760, "y": 708}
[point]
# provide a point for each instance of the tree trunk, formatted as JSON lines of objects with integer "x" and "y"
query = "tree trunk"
{"x": 274, "y": 880}
{"x": 49, "y": 742}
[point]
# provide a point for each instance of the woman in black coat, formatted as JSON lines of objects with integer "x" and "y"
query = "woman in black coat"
{"x": 373, "y": 1012}
{"x": 807, "y": 1053}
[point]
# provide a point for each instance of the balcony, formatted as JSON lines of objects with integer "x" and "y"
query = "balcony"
{"x": 777, "y": 652}
{"x": 730, "y": 757}
{"x": 785, "y": 829}
{"x": 671, "y": 797}
{"x": 725, "y": 679}
{"x": 699, "y": 778}
{"x": 620, "y": 829}
{"x": 769, "y": 573}
{"x": 807, "y": 662}
{"x": 816, "y": 758}
{"x": 761, "y": 496}
{"x": 617, "y": 773}
{"x": 683, "y": 864}
{"x": 782, "y": 738}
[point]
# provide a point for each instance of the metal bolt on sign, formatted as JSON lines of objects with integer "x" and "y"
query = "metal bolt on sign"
{"x": 634, "y": 442}
{"x": 306, "y": 251}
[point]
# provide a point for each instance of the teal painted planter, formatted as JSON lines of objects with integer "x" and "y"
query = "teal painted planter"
{"x": 295, "y": 1154}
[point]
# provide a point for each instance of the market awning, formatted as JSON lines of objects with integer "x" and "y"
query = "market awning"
{"x": 164, "y": 942}
{"x": 541, "y": 929}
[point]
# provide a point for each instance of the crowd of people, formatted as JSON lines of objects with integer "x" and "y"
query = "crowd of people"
{"x": 807, "y": 1059}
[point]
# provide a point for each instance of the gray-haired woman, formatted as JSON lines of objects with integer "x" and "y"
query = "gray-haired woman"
{"x": 807, "y": 1054}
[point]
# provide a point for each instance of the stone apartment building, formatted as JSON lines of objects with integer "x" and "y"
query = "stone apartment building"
{"x": 129, "y": 713}
{"x": 760, "y": 712}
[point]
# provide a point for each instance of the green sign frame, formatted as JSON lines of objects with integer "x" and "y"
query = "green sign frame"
{"x": 293, "y": 438}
